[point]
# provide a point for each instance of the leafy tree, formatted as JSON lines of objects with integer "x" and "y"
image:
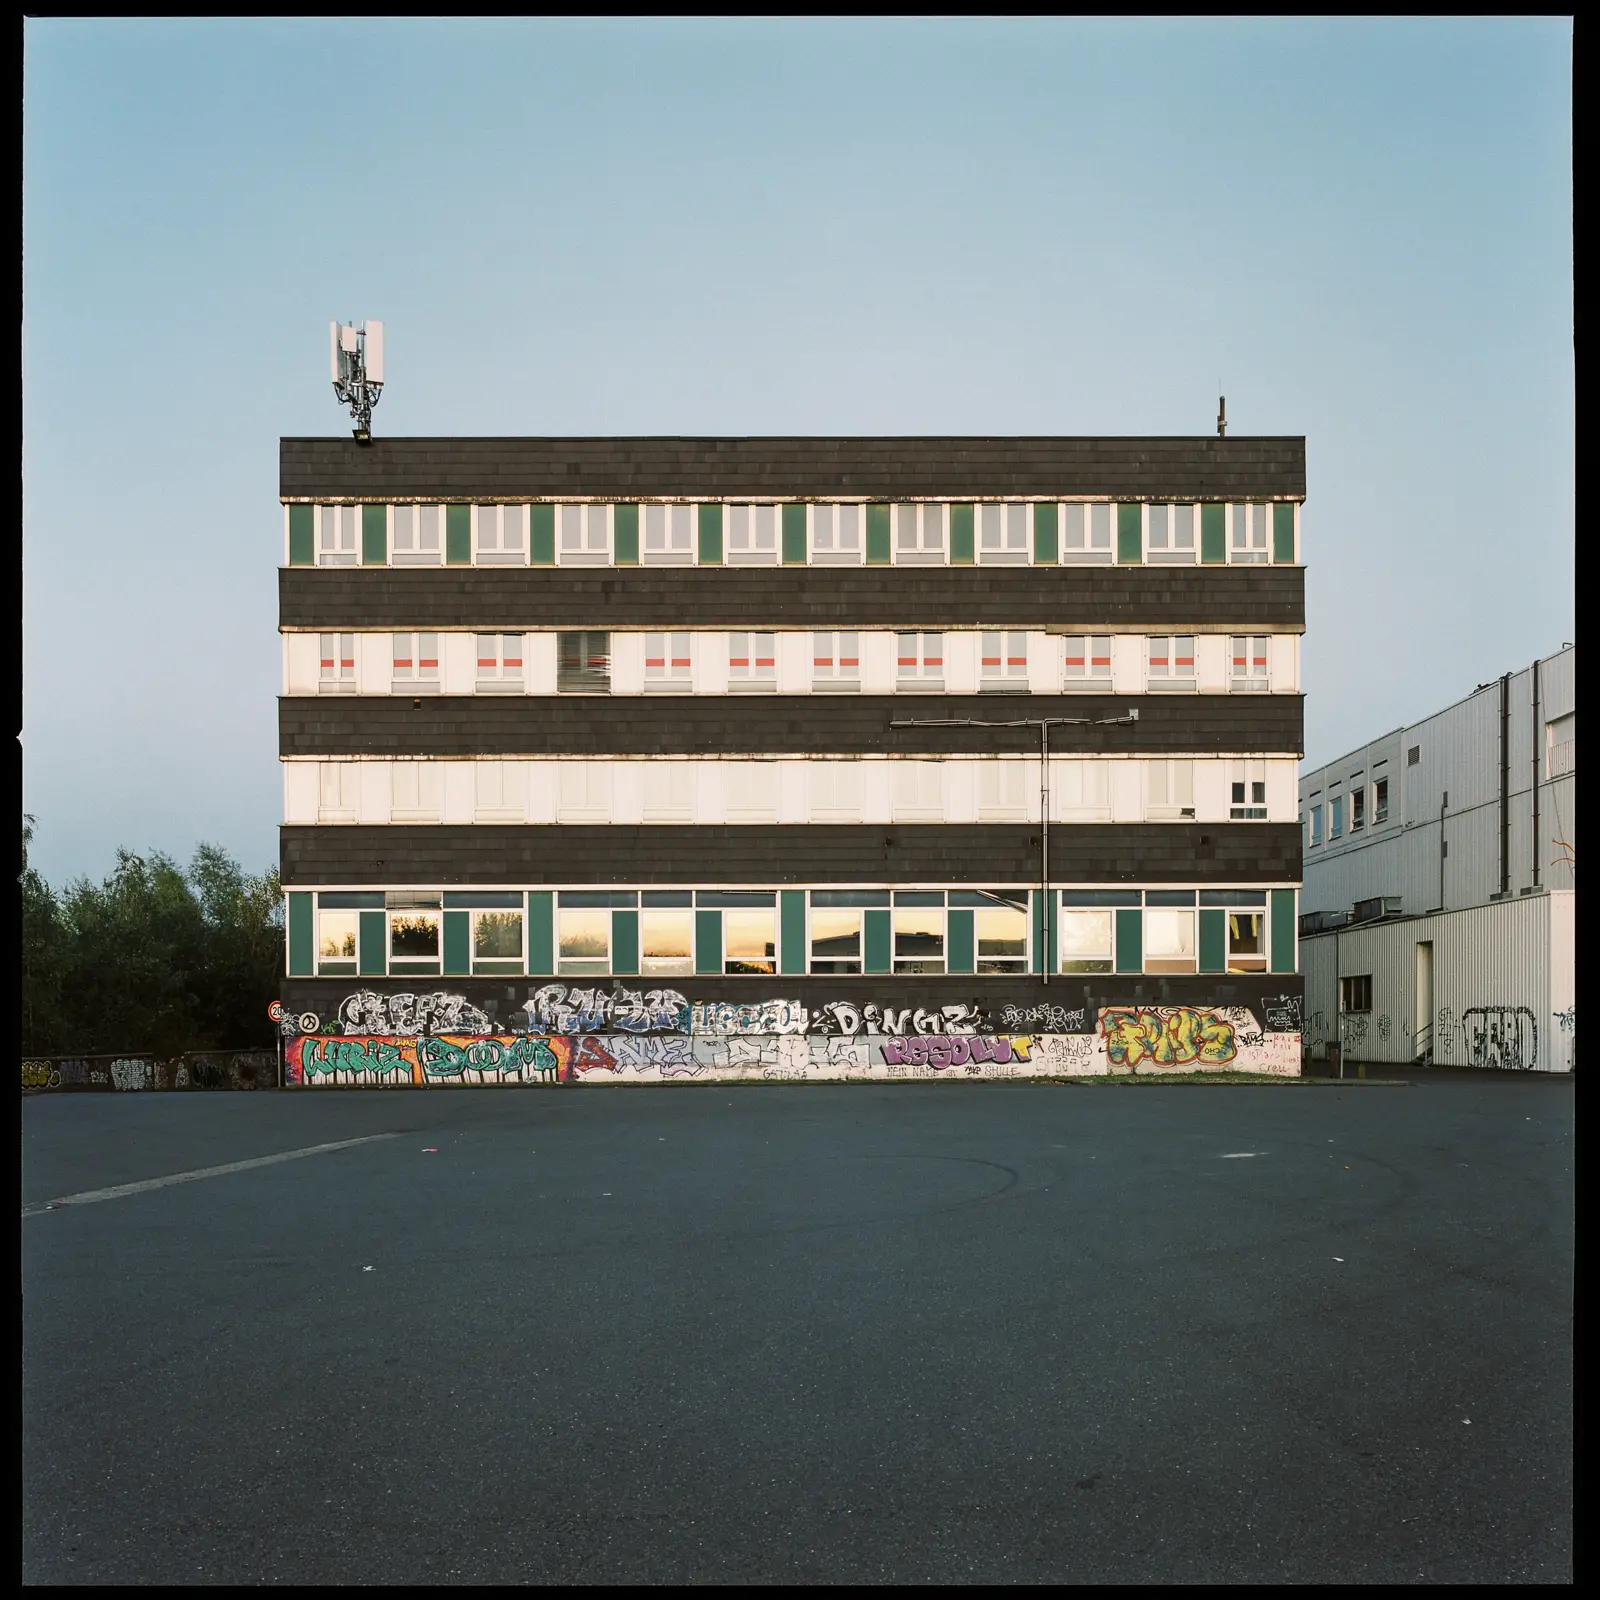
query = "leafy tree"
{"x": 155, "y": 958}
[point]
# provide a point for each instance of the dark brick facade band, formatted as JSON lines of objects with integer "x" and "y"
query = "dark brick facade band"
{"x": 504, "y": 998}
{"x": 685, "y": 725}
{"x": 1193, "y": 468}
{"x": 1061, "y": 599}
{"x": 985, "y": 853}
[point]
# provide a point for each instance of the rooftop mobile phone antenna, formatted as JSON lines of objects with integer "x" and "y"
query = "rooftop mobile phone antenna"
{"x": 356, "y": 355}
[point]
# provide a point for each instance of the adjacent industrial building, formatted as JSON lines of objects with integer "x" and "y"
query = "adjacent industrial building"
{"x": 1437, "y": 916}
{"x": 666, "y": 759}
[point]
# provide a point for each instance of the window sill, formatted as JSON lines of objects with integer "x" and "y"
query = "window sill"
{"x": 919, "y": 686}
{"x": 336, "y": 817}
{"x": 1170, "y": 814}
{"x": 1248, "y": 558}
{"x": 413, "y": 816}
{"x": 1086, "y": 686}
{"x": 923, "y": 814}
{"x": 1008, "y": 686}
{"x": 1086, "y": 558}
{"x": 336, "y": 688}
{"x": 584, "y": 558}
{"x": 667, "y": 816}
{"x": 337, "y": 561}
{"x": 752, "y": 558}
{"x": 1004, "y": 816}
{"x": 1002, "y": 558}
{"x": 664, "y": 686}
{"x": 500, "y": 558}
{"x": 423, "y": 558}
{"x": 836, "y": 558}
{"x": 1171, "y": 558}
{"x": 1172, "y": 686}
{"x": 835, "y": 686}
{"x": 744, "y": 686}
{"x": 398, "y": 686}
{"x": 1237, "y": 687}
{"x": 666, "y": 558}
{"x": 589, "y": 686}
{"x": 501, "y": 814}
{"x": 568, "y": 817}
{"x": 499, "y": 686}
{"x": 919, "y": 558}
{"x": 740, "y": 817}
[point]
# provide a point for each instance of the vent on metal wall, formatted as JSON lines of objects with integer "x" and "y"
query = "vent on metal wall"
{"x": 1314, "y": 922}
{"x": 1376, "y": 909}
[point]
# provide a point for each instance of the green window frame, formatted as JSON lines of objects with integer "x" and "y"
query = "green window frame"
{"x": 1281, "y": 929}
{"x": 302, "y": 536}
{"x": 541, "y": 933}
{"x": 542, "y": 535}
{"x": 458, "y": 536}
{"x": 1213, "y": 941}
{"x": 961, "y": 949}
{"x": 794, "y": 535}
{"x": 792, "y": 932}
{"x": 374, "y": 536}
{"x": 708, "y": 943}
{"x": 373, "y": 944}
{"x": 1130, "y": 940}
{"x": 1213, "y": 535}
{"x": 625, "y": 534}
{"x": 625, "y": 942}
{"x": 1283, "y": 532}
{"x": 302, "y": 944}
{"x": 710, "y": 521}
{"x": 876, "y": 941}
{"x": 878, "y": 546}
{"x": 963, "y": 535}
{"x": 1046, "y": 534}
{"x": 457, "y": 942}
{"x": 1130, "y": 534}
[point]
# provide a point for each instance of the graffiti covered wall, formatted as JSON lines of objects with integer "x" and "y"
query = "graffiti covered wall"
{"x": 587, "y": 1035}
{"x": 207, "y": 1069}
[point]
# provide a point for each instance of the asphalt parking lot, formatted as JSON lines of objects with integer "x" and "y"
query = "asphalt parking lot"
{"x": 925, "y": 1333}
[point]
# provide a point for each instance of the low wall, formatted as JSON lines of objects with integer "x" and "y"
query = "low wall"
{"x": 202, "y": 1069}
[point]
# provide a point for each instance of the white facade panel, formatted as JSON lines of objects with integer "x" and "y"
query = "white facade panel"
{"x": 1044, "y": 662}
{"x": 627, "y": 663}
{"x": 540, "y": 663}
{"x": 1211, "y": 663}
{"x": 1210, "y": 791}
{"x": 374, "y": 662}
{"x": 795, "y": 655}
{"x": 299, "y": 793}
{"x": 710, "y": 657}
{"x": 374, "y": 788}
{"x": 1283, "y": 663}
{"x": 458, "y": 663}
{"x": 1496, "y": 1000}
{"x": 1127, "y": 791}
{"x": 1127, "y": 663}
{"x": 878, "y": 663}
{"x": 963, "y": 661}
{"x": 458, "y": 799}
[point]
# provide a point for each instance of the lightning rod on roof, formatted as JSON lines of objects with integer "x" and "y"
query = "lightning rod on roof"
{"x": 356, "y": 355}
{"x": 1222, "y": 416}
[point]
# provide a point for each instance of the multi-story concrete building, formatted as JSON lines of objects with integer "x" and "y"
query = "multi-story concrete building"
{"x": 644, "y": 758}
{"x": 1437, "y": 916}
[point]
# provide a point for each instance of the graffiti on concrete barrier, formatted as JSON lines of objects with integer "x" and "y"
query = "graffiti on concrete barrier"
{"x": 671, "y": 1055}
{"x": 1505, "y": 1037}
{"x": 1044, "y": 1019}
{"x": 843, "y": 1018}
{"x": 129, "y": 1072}
{"x": 953, "y": 1050}
{"x": 1282, "y": 1012}
{"x": 555, "y": 1008}
{"x": 1167, "y": 1036}
{"x": 398, "y": 1059}
{"x": 770, "y": 1016}
{"x": 40, "y": 1075}
{"x": 369, "y": 1012}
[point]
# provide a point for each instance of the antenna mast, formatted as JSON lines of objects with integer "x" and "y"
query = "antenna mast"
{"x": 356, "y": 355}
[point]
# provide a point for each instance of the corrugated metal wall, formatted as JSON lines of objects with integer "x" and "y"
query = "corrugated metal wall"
{"x": 1458, "y": 754}
{"x": 1501, "y": 986}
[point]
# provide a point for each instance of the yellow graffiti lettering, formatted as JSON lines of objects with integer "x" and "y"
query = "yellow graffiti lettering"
{"x": 1169, "y": 1036}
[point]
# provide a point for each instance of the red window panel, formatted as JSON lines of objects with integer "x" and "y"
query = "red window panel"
{"x": 424, "y": 662}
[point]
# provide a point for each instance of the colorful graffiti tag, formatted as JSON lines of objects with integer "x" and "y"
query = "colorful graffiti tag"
{"x": 939, "y": 1051}
{"x": 1166, "y": 1036}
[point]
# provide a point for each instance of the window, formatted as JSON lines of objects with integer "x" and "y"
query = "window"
{"x": 1086, "y": 941}
{"x": 1358, "y": 809}
{"x": 1082, "y": 790}
{"x": 1247, "y": 941}
{"x": 919, "y": 535}
{"x": 336, "y": 942}
{"x": 1171, "y": 661}
{"x": 835, "y": 662}
{"x": 1561, "y": 745}
{"x": 1380, "y": 801}
{"x": 1169, "y": 944}
{"x": 918, "y": 791}
{"x": 1005, "y": 661}
{"x": 669, "y": 791}
{"x": 497, "y": 941}
{"x": 1004, "y": 791}
{"x": 752, "y": 663}
{"x": 1336, "y": 816}
{"x": 416, "y": 663}
{"x": 752, "y": 535}
{"x": 502, "y": 791}
{"x": 1316, "y": 825}
{"x": 499, "y": 663}
{"x": 1087, "y": 663}
{"x": 835, "y": 935}
{"x": 1249, "y": 534}
{"x": 1355, "y": 994}
{"x": 1001, "y": 926}
{"x": 1003, "y": 534}
{"x": 668, "y": 536}
{"x": 585, "y": 536}
{"x": 583, "y": 935}
{"x": 417, "y": 541}
{"x": 835, "y": 791}
{"x": 583, "y": 792}
{"x": 836, "y": 535}
{"x": 338, "y": 675}
{"x": 414, "y": 941}
{"x": 1248, "y": 670}
{"x": 1088, "y": 534}
{"x": 583, "y": 663}
{"x": 1170, "y": 791}
{"x": 751, "y": 790}
{"x": 336, "y": 536}
{"x": 749, "y": 928}
{"x": 418, "y": 791}
{"x": 666, "y": 932}
{"x": 918, "y": 931}
{"x": 921, "y": 659}
{"x": 666, "y": 662}
{"x": 1247, "y": 791}
{"x": 338, "y": 785}
{"x": 1171, "y": 535}
{"x": 502, "y": 533}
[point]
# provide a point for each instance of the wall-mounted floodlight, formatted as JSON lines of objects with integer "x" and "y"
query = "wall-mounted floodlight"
{"x": 356, "y": 357}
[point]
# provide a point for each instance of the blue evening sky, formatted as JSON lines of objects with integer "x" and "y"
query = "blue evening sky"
{"x": 1361, "y": 228}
